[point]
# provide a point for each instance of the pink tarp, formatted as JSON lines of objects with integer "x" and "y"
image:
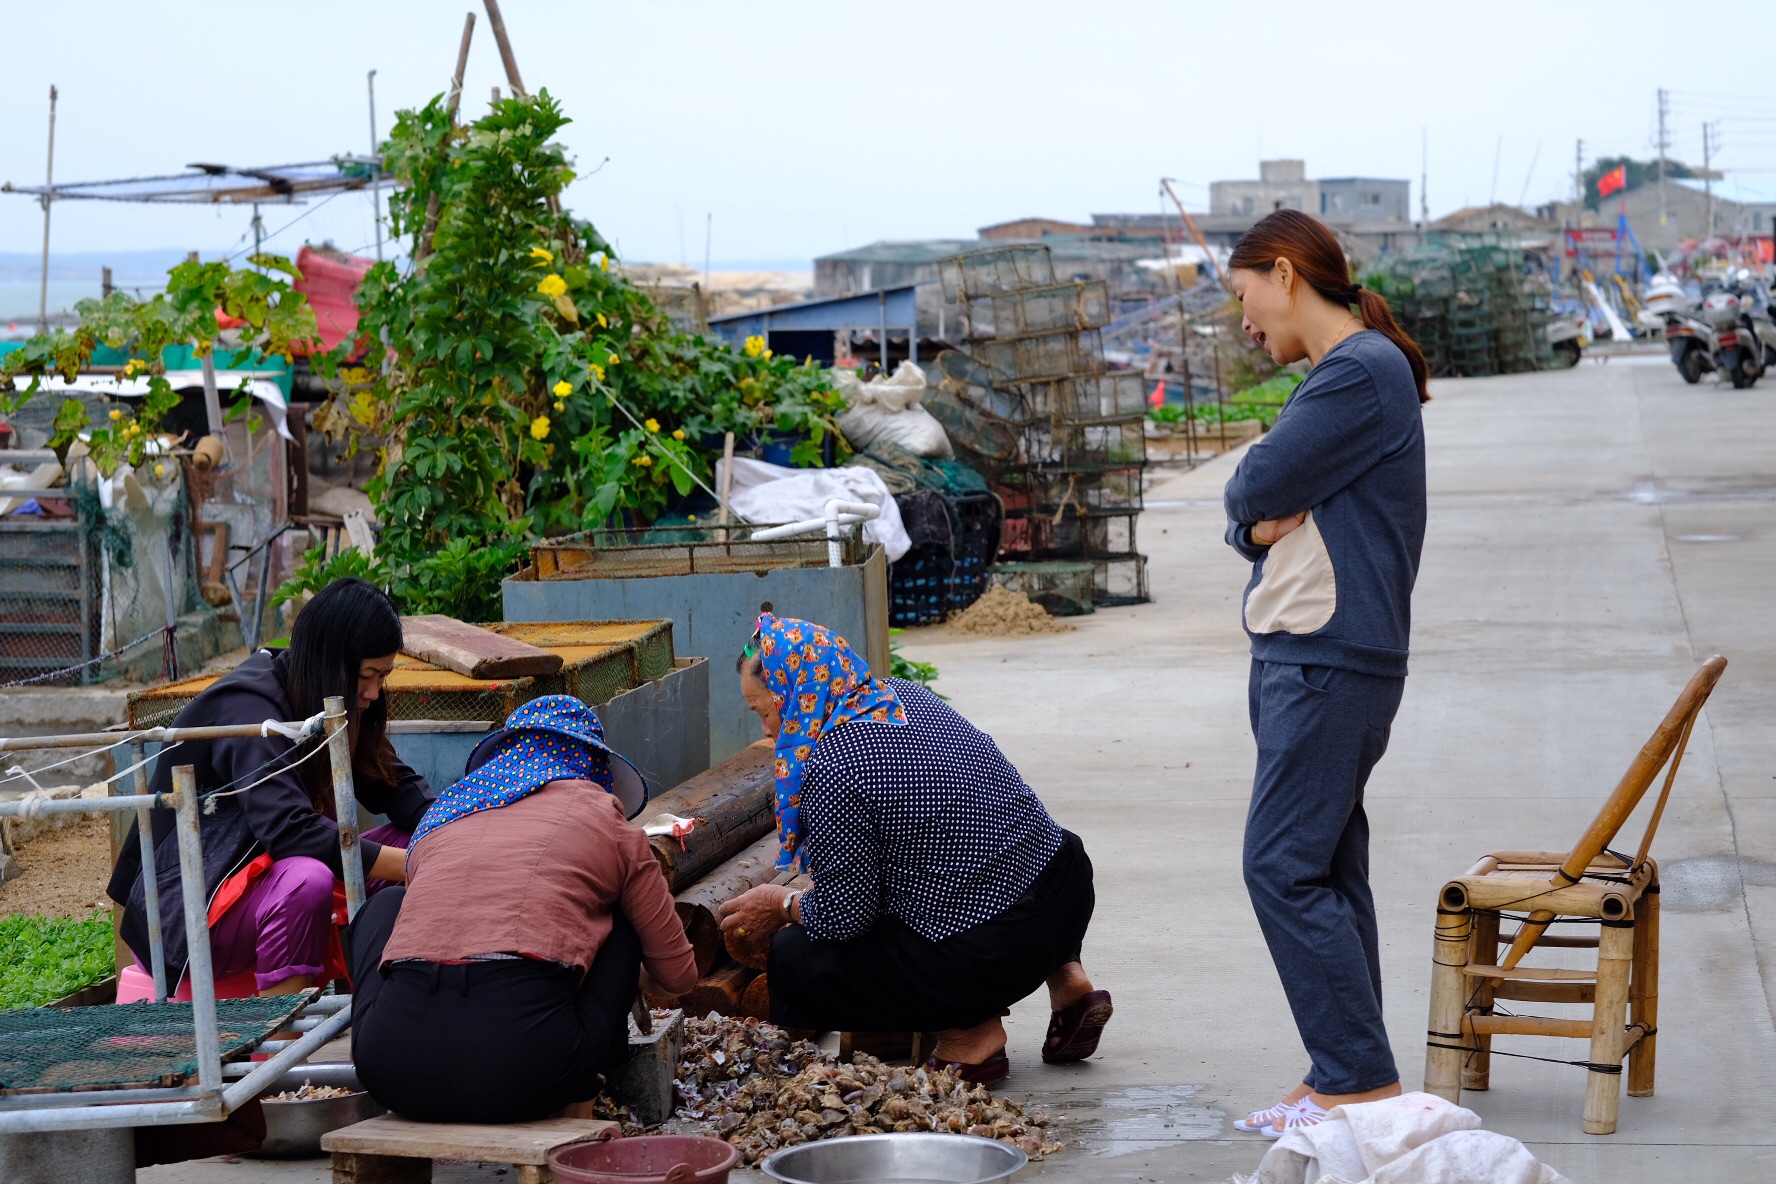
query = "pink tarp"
{"x": 331, "y": 286}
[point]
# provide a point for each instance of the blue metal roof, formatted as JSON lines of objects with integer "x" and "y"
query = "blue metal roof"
{"x": 891, "y": 308}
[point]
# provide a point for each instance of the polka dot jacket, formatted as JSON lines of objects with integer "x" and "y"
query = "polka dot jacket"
{"x": 927, "y": 822}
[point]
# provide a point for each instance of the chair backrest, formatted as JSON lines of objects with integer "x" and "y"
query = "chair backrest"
{"x": 1664, "y": 748}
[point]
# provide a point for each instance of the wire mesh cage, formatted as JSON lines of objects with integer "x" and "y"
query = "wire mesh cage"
{"x": 1109, "y": 491}
{"x": 1063, "y": 587}
{"x": 995, "y": 270}
{"x": 1120, "y": 581}
{"x": 1069, "y": 307}
{"x": 1042, "y": 356}
{"x": 1085, "y": 446}
{"x": 1105, "y": 395}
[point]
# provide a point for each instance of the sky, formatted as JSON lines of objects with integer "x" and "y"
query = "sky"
{"x": 783, "y": 130}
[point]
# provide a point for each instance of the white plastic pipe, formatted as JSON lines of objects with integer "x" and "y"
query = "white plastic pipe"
{"x": 838, "y": 513}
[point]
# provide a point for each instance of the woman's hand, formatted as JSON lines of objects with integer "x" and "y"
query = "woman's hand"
{"x": 1268, "y": 532}
{"x": 755, "y": 913}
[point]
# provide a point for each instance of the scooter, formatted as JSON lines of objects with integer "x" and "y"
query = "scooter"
{"x": 1744, "y": 333}
{"x": 1692, "y": 344}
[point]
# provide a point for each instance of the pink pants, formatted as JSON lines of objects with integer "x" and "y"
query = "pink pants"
{"x": 279, "y": 929}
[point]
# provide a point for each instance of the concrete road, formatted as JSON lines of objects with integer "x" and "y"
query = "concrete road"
{"x": 1594, "y": 533}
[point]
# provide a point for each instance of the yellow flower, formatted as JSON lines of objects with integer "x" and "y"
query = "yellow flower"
{"x": 562, "y": 389}
{"x": 767, "y": 355}
{"x": 604, "y": 263}
{"x": 644, "y": 460}
{"x": 651, "y": 424}
{"x": 598, "y": 371}
{"x": 546, "y": 256}
{"x": 552, "y": 286}
{"x": 539, "y": 427}
{"x": 560, "y": 406}
{"x": 612, "y": 360}
{"x": 116, "y": 414}
{"x": 160, "y": 470}
{"x": 602, "y": 323}
{"x": 678, "y": 433}
{"x": 755, "y": 346}
{"x": 135, "y": 367}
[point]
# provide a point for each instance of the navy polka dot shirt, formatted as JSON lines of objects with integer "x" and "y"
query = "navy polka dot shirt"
{"x": 927, "y": 822}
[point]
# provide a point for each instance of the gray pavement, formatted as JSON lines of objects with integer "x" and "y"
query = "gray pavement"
{"x": 1594, "y": 533}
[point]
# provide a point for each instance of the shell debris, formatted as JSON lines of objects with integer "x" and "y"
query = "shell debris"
{"x": 750, "y": 1083}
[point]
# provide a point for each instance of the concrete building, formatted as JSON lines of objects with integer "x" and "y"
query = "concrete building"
{"x": 1365, "y": 201}
{"x": 1281, "y": 185}
{"x": 1687, "y": 214}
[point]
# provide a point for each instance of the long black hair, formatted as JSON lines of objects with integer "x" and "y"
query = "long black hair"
{"x": 348, "y": 622}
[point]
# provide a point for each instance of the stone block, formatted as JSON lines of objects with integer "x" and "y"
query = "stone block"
{"x": 646, "y": 1082}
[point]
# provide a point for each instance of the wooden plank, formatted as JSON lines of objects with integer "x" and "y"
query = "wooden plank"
{"x": 734, "y": 804}
{"x": 514, "y": 1143}
{"x": 472, "y": 651}
{"x": 350, "y": 1168}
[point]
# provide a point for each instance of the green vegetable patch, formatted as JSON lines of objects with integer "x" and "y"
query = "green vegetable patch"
{"x": 44, "y": 958}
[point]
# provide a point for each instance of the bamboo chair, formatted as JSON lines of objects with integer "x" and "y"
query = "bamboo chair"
{"x": 1590, "y": 884}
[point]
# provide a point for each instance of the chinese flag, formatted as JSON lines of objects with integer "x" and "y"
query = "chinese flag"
{"x": 1616, "y": 178}
{"x": 1158, "y": 397}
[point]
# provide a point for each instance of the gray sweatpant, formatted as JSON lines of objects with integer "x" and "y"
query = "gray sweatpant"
{"x": 1320, "y": 730}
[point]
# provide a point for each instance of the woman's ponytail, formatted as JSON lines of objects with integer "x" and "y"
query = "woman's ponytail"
{"x": 1319, "y": 259}
{"x": 1376, "y": 314}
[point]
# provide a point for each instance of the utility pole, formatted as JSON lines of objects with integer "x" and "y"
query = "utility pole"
{"x": 48, "y": 184}
{"x": 376, "y": 170}
{"x": 1664, "y": 213}
{"x": 1578, "y": 181}
{"x": 1424, "y": 177}
{"x": 1708, "y": 146}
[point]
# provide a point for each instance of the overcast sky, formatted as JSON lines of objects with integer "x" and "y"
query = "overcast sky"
{"x": 806, "y": 128}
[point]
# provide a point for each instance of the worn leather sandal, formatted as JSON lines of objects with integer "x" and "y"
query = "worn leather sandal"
{"x": 1073, "y": 1031}
{"x": 991, "y": 1071}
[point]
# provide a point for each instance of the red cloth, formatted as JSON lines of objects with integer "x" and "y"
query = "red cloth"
{"x": 331, "y": 286}
{"x": 1616, "y": 178}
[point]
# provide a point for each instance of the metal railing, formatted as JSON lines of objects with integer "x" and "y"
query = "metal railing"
{"x": 320, "y": 1021}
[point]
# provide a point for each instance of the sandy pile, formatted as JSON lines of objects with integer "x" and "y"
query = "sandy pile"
{"x": 1000, "y": 612}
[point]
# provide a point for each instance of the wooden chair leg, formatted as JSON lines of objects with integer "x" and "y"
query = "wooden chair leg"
{"x": 1643, "y": 993}
{"x": 1477, "y": 1067}
{"x": 1449, "y": 954}
{"x": 1603, "y": 1090}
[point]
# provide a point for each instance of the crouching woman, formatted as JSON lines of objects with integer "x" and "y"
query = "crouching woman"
{"x": 496, "y": 986}
{"x": 942, "y": 890}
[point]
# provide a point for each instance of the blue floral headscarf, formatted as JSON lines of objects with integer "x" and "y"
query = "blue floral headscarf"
{"x": 535, "y": 749}
{"x": 818, "y": 683}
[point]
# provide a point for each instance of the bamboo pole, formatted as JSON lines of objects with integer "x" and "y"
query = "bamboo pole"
{"x": 1476, "y": 1026}
{"x": 451, "y": 102}
{"x": 1643, "y": 993}
{"x": 1603, "y": 1091}
{"x": 1449, "y": 953}
{"x": 1477, "y": 1070}
{"x": 345, "y": 804}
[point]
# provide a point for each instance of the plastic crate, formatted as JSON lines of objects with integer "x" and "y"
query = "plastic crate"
{"x": 976, "y": 519}
{"x": 919, "y": 585}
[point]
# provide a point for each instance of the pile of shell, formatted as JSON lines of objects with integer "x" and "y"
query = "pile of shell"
{"x": 749, "y": 1083}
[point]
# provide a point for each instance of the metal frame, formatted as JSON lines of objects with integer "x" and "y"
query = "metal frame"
{"x": 211, "y": 1099}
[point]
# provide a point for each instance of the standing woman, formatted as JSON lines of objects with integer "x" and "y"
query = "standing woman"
{"x": 270, "y": 838}
{"x": 1330, "y": 508}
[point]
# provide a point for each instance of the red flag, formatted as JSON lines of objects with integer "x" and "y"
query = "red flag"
{"x": 1616, "y": 178}
{"x": 1158, "y": 397}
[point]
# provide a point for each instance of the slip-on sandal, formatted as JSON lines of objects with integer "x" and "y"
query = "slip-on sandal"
{"x": 991, "y": 1071}
{"x": 1304, "y": 1113}
{"x": 1073, "y": 1031}
{"x": 1259, "y": 1120}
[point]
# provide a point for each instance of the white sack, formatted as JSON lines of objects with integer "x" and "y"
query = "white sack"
{"x": 1417, "y": 1138}
{"x": 886, "y": 408}
{"x": 769, "y": 494}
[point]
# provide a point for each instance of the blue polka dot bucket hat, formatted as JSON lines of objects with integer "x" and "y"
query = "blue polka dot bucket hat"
{"x": 571, "y": 717}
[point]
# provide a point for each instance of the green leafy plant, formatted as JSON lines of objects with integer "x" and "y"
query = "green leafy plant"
{"x": 274, "y": 318}
{"x": 45, "y": 958}
{"x": 901, "y": 666}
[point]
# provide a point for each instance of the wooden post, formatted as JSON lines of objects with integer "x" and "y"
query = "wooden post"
{"x": 1643, "y": 992}
{"x": 1477, "y": 1069}
{"x": 450, "y": 104}
{"x": 1603, "y": 1090}
{"x": 1449, "y": 953}
{"x": 505, "y": 47}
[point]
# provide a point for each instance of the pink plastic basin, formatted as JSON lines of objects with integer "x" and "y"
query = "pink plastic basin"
{"x": 645, "y": 1159}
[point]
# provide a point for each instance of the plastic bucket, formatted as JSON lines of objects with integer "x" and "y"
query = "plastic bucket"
{"x": 645, "y": 1159}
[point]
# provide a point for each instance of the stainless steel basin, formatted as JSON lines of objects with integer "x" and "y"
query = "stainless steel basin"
{"x": 293, "y": 1130}
{"x": 897, "y": 1159}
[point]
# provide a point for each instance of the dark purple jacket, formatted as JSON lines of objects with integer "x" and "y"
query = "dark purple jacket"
{"x": 275, "y": 818}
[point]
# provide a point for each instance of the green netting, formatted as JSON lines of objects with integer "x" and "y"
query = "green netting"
{"x": 137, "y": 1044}
{"x": 1470, "y": 302}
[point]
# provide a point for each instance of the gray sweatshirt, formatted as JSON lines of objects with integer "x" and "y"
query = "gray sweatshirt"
{"x": 1349, "y": 450}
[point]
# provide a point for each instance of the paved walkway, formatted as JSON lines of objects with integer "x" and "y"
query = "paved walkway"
{"x": 1594, "y": 533}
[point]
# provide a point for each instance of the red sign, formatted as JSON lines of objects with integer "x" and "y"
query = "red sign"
{"x": 1592, "y": 240}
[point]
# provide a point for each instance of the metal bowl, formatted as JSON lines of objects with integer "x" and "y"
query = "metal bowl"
{"x": 897, "y": 1159}
{"x": 293, "y": 1130}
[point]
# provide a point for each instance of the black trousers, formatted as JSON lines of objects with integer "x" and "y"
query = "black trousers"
{"x": 891, "y": 979}
{"x": 485, "y": 1041}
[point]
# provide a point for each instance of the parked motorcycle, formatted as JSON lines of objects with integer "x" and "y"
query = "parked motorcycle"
{"x": 1733, "y": 334}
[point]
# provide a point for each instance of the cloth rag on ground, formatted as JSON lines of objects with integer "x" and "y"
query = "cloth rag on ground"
{"x": 1416, "y": 1138}
{"x": 769, "y": 494}
{"x": 886, "y": 410}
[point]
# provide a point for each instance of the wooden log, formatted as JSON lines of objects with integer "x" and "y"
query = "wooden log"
{"x": 756, "y": 1001}
{"x": 718, "y": 992}
{"x": 700, "y": 904}
{"x": 734, "y": 804}
{"x": 472, "y": 651}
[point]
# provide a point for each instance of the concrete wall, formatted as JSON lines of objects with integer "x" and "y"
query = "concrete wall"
{"x": 1365, "y": 200}
{"x": 713, "y": 617}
